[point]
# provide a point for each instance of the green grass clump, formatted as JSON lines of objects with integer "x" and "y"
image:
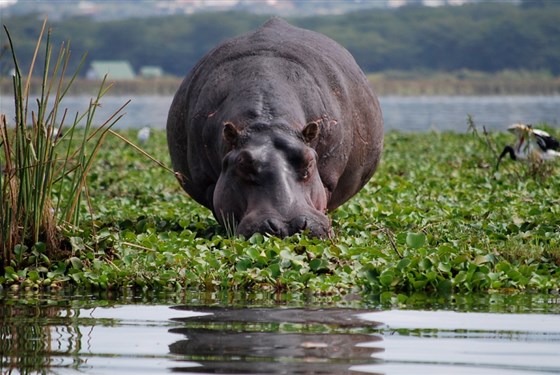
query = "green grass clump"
{"x": 436, "y": 217}
{"x": 44, "y": 158}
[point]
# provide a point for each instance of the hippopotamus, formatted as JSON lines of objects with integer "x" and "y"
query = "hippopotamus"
{"x": 272, "y": 129}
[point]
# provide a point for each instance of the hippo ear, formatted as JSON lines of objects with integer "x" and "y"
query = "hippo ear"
{"x": 231, "y": 133}
{"x": 310, "y": 132}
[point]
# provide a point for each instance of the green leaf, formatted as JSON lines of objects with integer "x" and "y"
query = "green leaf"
{"x": 77, "y": 243}
{"x": 403, "y": 263}
{"x": 481, "y": 259}
{"x": 243, "y": 265}
{"x": 445, "y": 286}
{"x": 415, "y": 240}
{"x": 444, "y": 267}
{"x": 33, "y": 275}
{"x": 386, "y": 278}
{"x": 318, "y": 265}
{"x": 40, "y": 247}
{"x": 460, "y": 278}
{"x": 76, "y": 263}
{"x": 274, "y": 270}
{"x": 425, "y": 264}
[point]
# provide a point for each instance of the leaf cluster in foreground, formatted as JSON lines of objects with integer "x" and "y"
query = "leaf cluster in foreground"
{"x": 435, "y": 217}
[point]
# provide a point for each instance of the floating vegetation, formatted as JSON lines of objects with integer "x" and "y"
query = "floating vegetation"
{"x": 435, "y": 217}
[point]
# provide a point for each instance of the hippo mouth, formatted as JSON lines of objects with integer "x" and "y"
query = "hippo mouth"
{"x": 313, "y": 225}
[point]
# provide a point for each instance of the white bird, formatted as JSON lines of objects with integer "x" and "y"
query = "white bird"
{"x": 56, "y": 134}
{"x": 532, "y": 144}
{"x": 143, "y": 135}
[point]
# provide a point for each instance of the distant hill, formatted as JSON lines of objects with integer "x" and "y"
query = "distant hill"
{"x": 114, "y": 10}
{"x": 486, "y": 37}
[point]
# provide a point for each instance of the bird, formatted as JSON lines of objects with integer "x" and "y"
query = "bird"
{"x": 143, "y": 135}
{"x": 532, "y": 144}
{"x": 56, "y": 134}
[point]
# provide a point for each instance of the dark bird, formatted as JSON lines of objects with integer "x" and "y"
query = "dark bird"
{"x": 532, "y": 144}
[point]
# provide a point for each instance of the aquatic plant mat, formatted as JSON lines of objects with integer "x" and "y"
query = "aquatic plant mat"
{"x": 436, "y": 217}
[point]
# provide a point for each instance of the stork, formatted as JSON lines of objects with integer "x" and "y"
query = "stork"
{"x": 532, "y": 144}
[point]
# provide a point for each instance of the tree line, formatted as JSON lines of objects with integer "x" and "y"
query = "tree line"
{"x": 487, "y": 37}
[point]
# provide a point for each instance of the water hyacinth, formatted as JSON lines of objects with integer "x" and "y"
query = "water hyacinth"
{"x": 443, "y": 223}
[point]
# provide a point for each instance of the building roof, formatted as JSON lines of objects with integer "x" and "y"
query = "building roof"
{"x": 115, "y": 69}
{"x": 150, "y": 71}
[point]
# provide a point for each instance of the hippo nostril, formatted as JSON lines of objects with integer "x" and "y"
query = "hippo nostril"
{"x": 274, "y": 227}
{"x": 315, "y": 226}
{"x": 298, "y": 224}
{"x": 271, "y": 226}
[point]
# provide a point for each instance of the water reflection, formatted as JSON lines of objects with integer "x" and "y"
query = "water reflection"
{"x": 80, "y": 334}
{"x": 275, "y": 341}
{"x": 70, "y": 338}
{"x": 273, "y": 353}
{"x": 30, "y": 340}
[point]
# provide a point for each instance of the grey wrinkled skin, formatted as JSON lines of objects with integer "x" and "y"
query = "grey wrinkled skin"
{"x": 273, "y": 128}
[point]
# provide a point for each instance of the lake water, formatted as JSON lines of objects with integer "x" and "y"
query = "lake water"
{"x": 406, "y": 113}
{"x": 69, "y": 333}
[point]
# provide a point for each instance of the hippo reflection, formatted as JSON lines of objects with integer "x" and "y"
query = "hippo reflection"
{"x": 273, "y": 128}
{"x": 274, "y": 341}
{"x": 265, "y": 352}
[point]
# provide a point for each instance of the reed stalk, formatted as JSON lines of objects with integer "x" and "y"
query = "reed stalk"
{"x": 44, "y": 159}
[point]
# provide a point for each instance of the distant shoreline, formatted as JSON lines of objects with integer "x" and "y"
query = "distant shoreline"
{"x": 383, "y": 85}
{"x": 465, "y": 84}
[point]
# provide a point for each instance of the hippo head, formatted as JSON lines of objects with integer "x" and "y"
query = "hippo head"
{"x": 269, "y": 182}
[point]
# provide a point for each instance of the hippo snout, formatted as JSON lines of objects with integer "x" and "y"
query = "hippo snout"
{"x": 315, "y": 226}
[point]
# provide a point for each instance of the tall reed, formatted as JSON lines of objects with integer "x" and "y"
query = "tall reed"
{"x": 45, "y": 158}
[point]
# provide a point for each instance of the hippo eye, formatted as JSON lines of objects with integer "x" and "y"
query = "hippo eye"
{"x": 307, "y": 170}
{"x": 246, "y": 165}
{"x": 304, "y": 164}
